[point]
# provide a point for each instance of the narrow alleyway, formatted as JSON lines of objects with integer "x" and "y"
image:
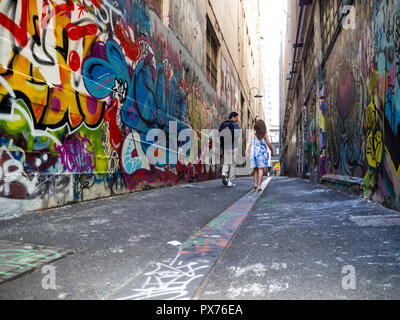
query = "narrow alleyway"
{"x": 294, "y": 243}
{"x": 119, "y": 118}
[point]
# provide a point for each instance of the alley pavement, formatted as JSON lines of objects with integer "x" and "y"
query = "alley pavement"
{"x": 109, "y": 242}
{"x": 295, "y": 240}
{"x": 304, "y": 241}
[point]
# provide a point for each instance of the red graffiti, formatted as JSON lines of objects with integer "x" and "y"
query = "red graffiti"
{"x": 81, "y": 8}
{"x": 115, "y": 133}
{"x": 132, "y": 49}
{"x": 96, "y": 3}
{"x": 74, "y": 60}
{"x": 61, "y": 8}
{"x": 69, "y": 7}
{"x": 18, "y": 31}
{"x": 76, "y": 32}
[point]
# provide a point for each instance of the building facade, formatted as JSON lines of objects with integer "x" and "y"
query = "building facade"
{"x": 83, "y": 82}
{"x": 342, "y": 95}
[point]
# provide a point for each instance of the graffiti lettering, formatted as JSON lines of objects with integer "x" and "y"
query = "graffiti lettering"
{"x": 76, "y": 155}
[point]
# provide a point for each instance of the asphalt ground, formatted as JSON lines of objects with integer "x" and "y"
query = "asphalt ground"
{"x": 299, "y": 241}
{"x": 304, "y": 241}
{"x": 115, "y": 239}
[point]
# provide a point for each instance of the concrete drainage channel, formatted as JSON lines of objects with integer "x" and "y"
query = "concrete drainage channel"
{"x": 376, "y": 221}
{"x": 181, "y": 273}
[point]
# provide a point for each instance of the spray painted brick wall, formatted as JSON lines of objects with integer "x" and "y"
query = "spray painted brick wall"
{"x": 362, "y": 101}
{"x": 81, "y": 84}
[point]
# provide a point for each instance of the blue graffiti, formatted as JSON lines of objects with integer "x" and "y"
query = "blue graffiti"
{"x": 148, "y": 101}
{"x": 391, "y": 113}
{"x": 99, "y": 75}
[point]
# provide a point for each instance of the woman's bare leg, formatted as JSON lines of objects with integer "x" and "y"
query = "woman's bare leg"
{"x": 260, "y": 176}
{"x": 255, "y": 177}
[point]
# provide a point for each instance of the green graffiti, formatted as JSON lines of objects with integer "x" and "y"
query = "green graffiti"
{"x": 19, "y": 258}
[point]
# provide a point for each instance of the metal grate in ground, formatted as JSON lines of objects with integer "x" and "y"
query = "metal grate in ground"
{"x": 17, "y": 259}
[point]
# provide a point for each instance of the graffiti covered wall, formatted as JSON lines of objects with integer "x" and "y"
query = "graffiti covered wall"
{"x": 82, "y": 82}
{"x": 361, "y": 102}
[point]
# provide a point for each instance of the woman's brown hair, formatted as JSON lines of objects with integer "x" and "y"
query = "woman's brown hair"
{"x": 261, "y": 129}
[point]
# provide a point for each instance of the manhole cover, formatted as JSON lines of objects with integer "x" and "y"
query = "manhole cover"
{"x": 376, "y": 221}
{"x": 17, "y": 259}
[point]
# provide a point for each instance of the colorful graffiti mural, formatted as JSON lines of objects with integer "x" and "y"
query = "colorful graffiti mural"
{"x": 360, "y": 103}
{"x": 381, "y": 47}
{"x": 82, "y": 82}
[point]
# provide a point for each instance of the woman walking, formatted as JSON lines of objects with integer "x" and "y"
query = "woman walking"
{"x": 258, "y": 154}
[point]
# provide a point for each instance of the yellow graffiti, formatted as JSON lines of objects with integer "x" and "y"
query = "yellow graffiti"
{"x": 374, "y": 145}
{"x": 374, "y": 149}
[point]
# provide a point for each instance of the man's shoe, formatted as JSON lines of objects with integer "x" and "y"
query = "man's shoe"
{"x": 231, "y": 184}
{"x": 225, "y": 180}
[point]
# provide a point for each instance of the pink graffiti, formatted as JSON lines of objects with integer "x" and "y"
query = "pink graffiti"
{"x": 75, "y": 156}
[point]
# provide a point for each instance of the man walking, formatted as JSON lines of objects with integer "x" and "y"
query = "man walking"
{"x": 229, "y": 150}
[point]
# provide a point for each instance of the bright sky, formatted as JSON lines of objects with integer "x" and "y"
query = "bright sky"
{"x": 273, "y": 22}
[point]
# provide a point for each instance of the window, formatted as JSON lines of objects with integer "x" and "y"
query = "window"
{"x": 331, "y": 15}
{"x": 212, "y": 54}
{"x": 309, "y": 60}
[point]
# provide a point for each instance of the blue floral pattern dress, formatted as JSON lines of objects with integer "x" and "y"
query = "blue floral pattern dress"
{"x": 258, "y": 154}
